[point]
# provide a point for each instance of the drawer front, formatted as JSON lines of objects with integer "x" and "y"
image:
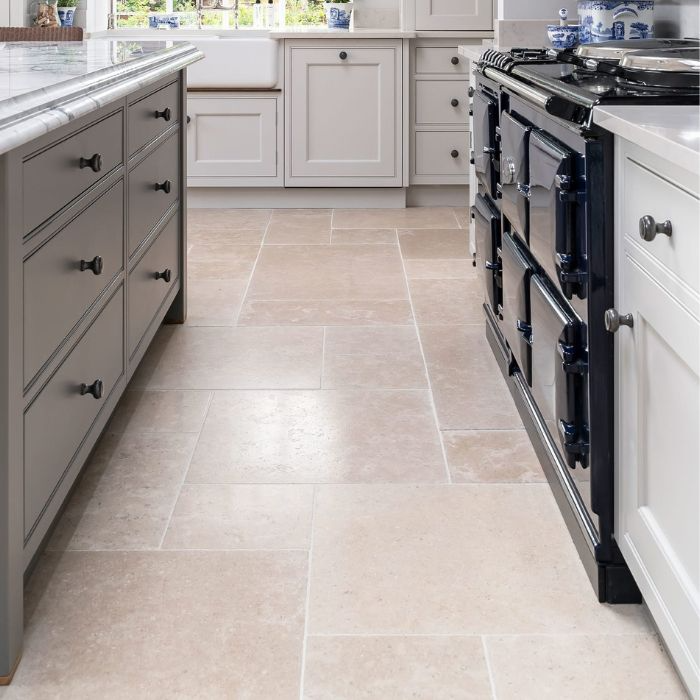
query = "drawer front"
{"x": 56, "y": 176}
{"x": 147, "y": 205}
{"x": 440, "y": 59}
{"x": 647, "y": 194}
{"x": 57, "y": 292}
{"x": 442, "y": 102}
{"x": 151, "y": 116}
{"x": 146, "y": 290}
{"x": 60, "y": 417}
{"x": 442, "y": 153}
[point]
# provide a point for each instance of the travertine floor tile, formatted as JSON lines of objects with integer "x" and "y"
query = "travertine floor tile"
{"x": 447, "y": 301}
{"x": 225, "y": 236}
{"x": 395, "y": 559}
{"x": 378, "y": 668}
{"x": 299, "y": 226}
{"x": 413, "y": 217}
{"x": 355, "y": 236}
{"x": 462, "y": 214}
{"x": 373, "y": 358}
{"x": 318, "y": 436}
{"x": 160, "y": 412}
{"x": 491, "y": 456}
{"x": 215, "y": 302}
{"x": 232, "y": 358}
{"x": 250, "y": 516}
{"x": 227, "y": 219}
{"x": 441, "y": 244}
{"x": 164, "y": 625}
{"x": 216, "y": 261}
{"x": 125, "y": 497}
{"x": 439, "y": 269}
{"x": 606, "y": 667}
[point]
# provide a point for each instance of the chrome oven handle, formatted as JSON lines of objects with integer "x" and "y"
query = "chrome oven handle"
{"x": 540, "y": 98}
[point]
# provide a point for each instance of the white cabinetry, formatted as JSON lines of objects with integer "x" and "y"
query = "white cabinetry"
{"x": 658, "y": 396}
{"x": 454, "y": 15}
{"x": 344, "y": 113}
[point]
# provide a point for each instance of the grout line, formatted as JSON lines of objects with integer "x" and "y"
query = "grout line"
{"x": 302, "y": 677}
{"x": 509, "y": 635}
{"x": 355, "y": 484}
{"x": 492, "y": 682}
{"x": 323, "y": 357}
{"x": 182, "y": 549}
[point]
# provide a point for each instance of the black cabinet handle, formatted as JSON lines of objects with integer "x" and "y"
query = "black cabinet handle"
{"x": 470, "y": 92}
{"x": 454, "y": 102}
{"x": 95, "y": 389}
{"x": 165, "y": 114}
{"x": 343, "y": 55}
{"x": 96, "y": 265}
{"x": 454, "y": 60}
{"x": 189, "y": 118}
{"x": 94, "y": 163}
{"x": 166, "y": 275}
{"x": 165, "y": 186}
{"x": 454, "y": 153}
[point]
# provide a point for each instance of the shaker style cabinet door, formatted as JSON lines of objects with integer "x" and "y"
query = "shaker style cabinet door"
{"x": 344, "y": 115}
{"x": 454, "y": 15}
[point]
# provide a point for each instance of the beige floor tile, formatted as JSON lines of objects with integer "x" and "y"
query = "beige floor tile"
{"x": 462, "y": 214}
{"x": 227, "y": 219}
{"x": 320, "y": 312}
{"x": 248, "y": 516}
{"x": 216, "y": 261}
{"x": 125, "y": 497}
{"x": 471, "y": 559}
{"x": 318, "y": 436}
{"x": 440, "y": 244}
{"x": 447, "y": 301}
{"x": 373, "y": 358}
{"x": 469, "y": 391}
{"x": 184, "y": 357}
{"x": 328, "y": 272}
{"x": 605, "y": 667}
{"x": 164, "y": 625}
{"x": 225, "y": 236}
{"x": 160, "y": 412}
{"x": 299, "y": 226}
{"x": 439, "y": 269}
{"x": 355, "y": 236}
{"x": 411, "y": 217}
{"x": 378, "y": 668}
{"x": 491, "y": 456}
{"x": 215, "y": 302}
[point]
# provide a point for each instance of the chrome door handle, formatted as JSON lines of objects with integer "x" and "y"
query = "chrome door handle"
{"x": 648, "y": 228}
{"x": 614, "y": 319}
{"x": 524, "y": 190}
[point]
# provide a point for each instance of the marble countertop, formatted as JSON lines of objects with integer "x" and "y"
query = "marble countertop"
{"x": 671, "y": 132}
{"x": 473, "y": 51}
{"x": 44, "y": 85}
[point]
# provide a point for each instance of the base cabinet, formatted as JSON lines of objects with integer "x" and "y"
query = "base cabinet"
{"x": 454, "y": 15}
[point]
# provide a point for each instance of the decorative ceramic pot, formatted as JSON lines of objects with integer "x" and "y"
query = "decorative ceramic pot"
{"x": 66, "y": 14}
{"x": 608, "y": 20}
{"x": 338, "y": 14}
{"x": 164, "y": 21}
{"x": 563, "y": 37}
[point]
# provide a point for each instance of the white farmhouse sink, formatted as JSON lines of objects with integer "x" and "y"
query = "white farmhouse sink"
{"x": 234, "y": 62}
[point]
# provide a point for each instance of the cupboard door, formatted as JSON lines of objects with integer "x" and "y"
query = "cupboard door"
{"x": 344, "y": 116}
{"x": 454, "y": 15}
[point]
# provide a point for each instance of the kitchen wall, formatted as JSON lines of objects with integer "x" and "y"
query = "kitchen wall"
{"x": 678, "y": 18}
{"x": 377, "y": 13}
{"x": 539, "y": 9}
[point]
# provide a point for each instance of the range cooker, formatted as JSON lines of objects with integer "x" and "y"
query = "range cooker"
{"x": 544, "y": 246}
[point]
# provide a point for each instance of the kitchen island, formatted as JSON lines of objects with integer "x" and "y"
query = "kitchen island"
{"x": 92, "y": 260}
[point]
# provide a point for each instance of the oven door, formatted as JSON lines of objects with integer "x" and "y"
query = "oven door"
{"x": 514, "y": 173}
{"x": 514, "y": 311}
{"x": 485, "y": 112}
{"x": 554, "y": 239}
{"x": 487, "y": 226}
{"x": 559, "y": 371}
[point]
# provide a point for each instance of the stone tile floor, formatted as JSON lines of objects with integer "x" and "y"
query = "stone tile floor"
{"x": 318, "y": 487}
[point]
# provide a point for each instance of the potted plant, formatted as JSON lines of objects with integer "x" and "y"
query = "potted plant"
{"x": 66, "y": 12}
{"x": 338, "y": 14}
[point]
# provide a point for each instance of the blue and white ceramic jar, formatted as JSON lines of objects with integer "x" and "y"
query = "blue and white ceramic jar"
{"x": 609, "y": 20}
{"x": 338, "y": 14}
{"x": 66, "y": 15}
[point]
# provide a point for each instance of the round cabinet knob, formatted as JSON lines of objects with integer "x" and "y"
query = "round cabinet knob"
{"x": 454, "y": 60}
{"x": 454, "y": 102}
{"x": 189, "y": 118}
{"x": 95, "y": 389}
{"x": 165, "y": 186}
{"x": 96, "y": 265}
{"x": 454, "y": 153}
{"x": 470, "y": 92}
{"x": 613, "y": 320}
{"x": 166, "y": 275}
{"x": 94, "y": 163}
{"x": 343, "y": 55}
{"x": 648, "y": 228}
{"x": 165, "y": 114}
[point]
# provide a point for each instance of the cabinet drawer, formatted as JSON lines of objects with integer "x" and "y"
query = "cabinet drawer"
{"x": 57, "y": 175}
{"x": 434, "y": 153}
{"x": 56, "y": 291}
{"x": 151, "y": 116}
{"x": 647, "y": 194}
{"x": 147, "y": 205}
{"x": 58, "y": 420}
{"x": 146, "y": 290}
{"x": 435, "y": 102}
{"x": 440, "y": 59}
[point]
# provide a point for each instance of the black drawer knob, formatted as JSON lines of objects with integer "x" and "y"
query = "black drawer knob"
{"x": 470, "y": 92}
{"x": 454, "y": 153}
{"x": 454, "y": 102}
{"x": 96, "y": 265}
{"x": 189, "y": 118}
{"x": 165, "y": 186}
{"x": 95, "y": 389}
{"x": 343, "y": 55}
{"x": 166, "y": 275}
{"x": 454, "y": 60}
{"x": 94, "y": 163}
{"x": 165, "y": 114}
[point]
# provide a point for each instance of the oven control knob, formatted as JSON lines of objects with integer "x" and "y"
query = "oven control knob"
{"x": 648, "y": 228}
{"x": 613, "y": 320}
